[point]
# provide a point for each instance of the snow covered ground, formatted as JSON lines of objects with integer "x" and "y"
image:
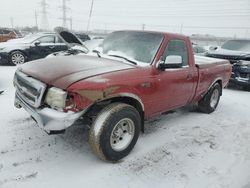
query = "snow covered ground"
{"x": 180, "y": 149}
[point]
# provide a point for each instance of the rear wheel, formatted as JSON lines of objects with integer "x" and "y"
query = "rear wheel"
{"x": 17, "y": 58}
{"x": 115, "y": 131}
{"x": 210, "y": 101}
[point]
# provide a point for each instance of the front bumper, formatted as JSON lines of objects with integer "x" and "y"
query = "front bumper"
{"x": 240, "y": 76}
{"x": 240, "y": 82}
{"x": 49, "y": 119}
{"x": 4, "y": 58}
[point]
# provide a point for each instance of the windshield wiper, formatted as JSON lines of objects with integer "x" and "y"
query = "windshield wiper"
{"x": 133, "y": 62}
{"x": 97, "y": 52}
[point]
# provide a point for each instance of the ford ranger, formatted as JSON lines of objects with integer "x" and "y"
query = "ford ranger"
{"x": 132, "y": 77}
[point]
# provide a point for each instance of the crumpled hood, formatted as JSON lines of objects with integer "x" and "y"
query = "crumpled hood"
{"x": 61, "y": 72}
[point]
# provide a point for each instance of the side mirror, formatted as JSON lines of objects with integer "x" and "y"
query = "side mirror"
{"x": 37, "y": 43}
{"x": 171, "y": 61}
{"x": 213, "y": 48}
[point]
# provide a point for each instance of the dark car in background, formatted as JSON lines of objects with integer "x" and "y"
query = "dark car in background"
{"x": 199, "y": 50}
{"x": 82, "y": 36}
{"x": 7, "y": 34}
{"x": 35, "y": 46}
{"x": 86, "y": 47}
{"x": 238, "y": 53}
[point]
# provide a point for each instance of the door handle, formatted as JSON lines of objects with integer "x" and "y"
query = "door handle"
{"x": 189, "y": 77}
{"x": 51, "y": 47}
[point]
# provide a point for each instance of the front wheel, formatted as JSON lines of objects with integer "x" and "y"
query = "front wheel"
{"x": 210, "y": 101}
{"x": 17, "y": 58}
{"x": 115, "y": 131}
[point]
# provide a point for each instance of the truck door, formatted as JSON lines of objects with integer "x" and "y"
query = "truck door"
{"x": 176, "y": 85}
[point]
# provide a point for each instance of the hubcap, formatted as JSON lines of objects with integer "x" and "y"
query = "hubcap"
{"x": 122, "y": 134}
{"x": 17, "y": 59}
{"x": 214, "y": 98}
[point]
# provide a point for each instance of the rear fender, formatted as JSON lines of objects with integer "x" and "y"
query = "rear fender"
{"x": 219, "y": 81}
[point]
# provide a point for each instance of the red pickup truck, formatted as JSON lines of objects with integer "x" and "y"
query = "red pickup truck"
{"x": 131, "y": 77}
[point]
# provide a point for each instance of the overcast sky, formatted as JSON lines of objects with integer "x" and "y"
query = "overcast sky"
{"x": 216, "y": 17}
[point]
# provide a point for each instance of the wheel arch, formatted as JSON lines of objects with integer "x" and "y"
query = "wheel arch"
{"x": 219, "y": 81}
{"x": 126, "y": 98}
{"x": 18, "y": 50}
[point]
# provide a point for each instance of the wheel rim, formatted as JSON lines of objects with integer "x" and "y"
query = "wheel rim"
{"x": 122, "y": 134}
{"x": 214, "y": 98}
{"x": 17, "y": 59}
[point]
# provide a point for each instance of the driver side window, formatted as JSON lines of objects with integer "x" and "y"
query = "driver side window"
{"x": 176, "y": 48}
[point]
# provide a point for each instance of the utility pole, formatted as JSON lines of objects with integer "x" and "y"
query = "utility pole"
{"x": 36, "y": 19}
{"x": 12, "y": 22}
{"x": 45, "y": 23}
{"x": 143, "y": 27}
{"x": 181, "y": 28}
{"x": 71, "y": 24}
{"x": 90, "y": 14}
{"x": 64, "y": 18}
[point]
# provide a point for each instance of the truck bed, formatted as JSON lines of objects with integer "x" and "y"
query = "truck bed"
{"x": 205, "y": 62}
{"x": 210, "y": 69}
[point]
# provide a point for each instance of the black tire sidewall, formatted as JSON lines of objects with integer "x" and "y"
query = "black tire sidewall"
{"x": 205, "y": 104}
{"x": 216, "y": 87}
{"x": 110, "y": 122}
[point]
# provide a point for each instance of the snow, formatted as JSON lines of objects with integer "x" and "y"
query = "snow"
{"x": 180, "y": 149}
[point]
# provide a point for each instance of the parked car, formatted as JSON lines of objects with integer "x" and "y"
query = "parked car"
{"x": 238, "y": 53}
{"x": 82, "y": 36}
{"x": 135, "y": 76}
{"x": 36, "y": 46}
{"x": 86, "y": 47}
{"x": 7, "y": 34}
{"x": 199, "y": 50}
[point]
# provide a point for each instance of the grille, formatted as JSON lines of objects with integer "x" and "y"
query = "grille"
{"x": 244, "y": 75}
{"x": 29, "y": 89}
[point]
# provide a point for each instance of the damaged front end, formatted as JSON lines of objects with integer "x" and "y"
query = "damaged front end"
{"x": 51, "y": 108}
{"x": 241, "y": 74}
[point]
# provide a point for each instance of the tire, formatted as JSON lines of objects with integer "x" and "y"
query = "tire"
{"x": 17, "y": 58}
{"x": 210, "y": 101}
{"x": 115, "y": 131}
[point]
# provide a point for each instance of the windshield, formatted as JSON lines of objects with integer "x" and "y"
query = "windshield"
{"x": 139, "y": 46}
{"x": 237, "y": 45}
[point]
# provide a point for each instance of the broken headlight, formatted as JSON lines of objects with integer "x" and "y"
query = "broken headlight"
{"x": 56, "y": 98}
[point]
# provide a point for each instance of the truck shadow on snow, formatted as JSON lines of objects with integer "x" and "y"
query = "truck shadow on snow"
{"x": 161, "y": 122}
{"x": 35, "y": 143}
